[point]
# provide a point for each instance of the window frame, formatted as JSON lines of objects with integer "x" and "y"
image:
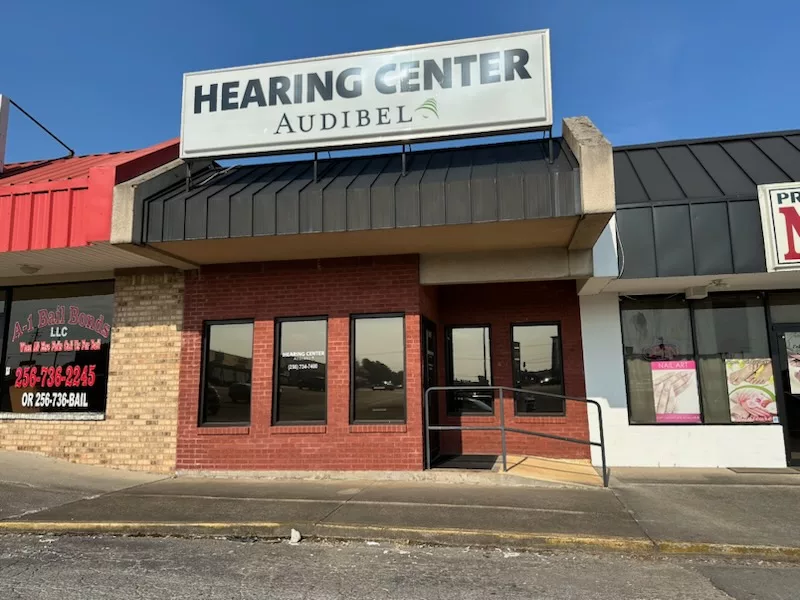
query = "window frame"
{"x": 557, "y": 325}
{"x": 7, "y": 294}
{"x": 448, "y": 368}
{"x": 690, "y": 305}
{"x": 352, "y": 370}
{"x": 204, "y": 365}
{"x": 276, "y": 355}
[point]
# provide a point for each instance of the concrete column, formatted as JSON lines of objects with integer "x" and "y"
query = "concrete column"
{"x": 596, "y": 161}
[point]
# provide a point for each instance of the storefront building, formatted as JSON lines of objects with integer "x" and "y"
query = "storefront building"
{"x": 90, "y": 341}
{"x": 322, "y": 297}
{"x": 692, "y": 343}
{"x": 160, "y": 311}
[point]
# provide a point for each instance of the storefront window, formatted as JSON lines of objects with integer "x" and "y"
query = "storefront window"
{"x": 227, "y": 373}
{"x": 784, "y": 307}
{"x": 469, "y": 364}
{"x": 657, "y": 341}
{"x": 57, "y": 348}
{"x": 537, "y": 367}
{"x": 378, "y": 376}
{"x": 734, "y": 360}
{"x": 730, "y": 368}
{"x": 301, "y": 382}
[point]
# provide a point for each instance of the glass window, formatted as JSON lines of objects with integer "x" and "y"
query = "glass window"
{"x": 469, "y": 364}
{"x": 227, "y": 373}
{"x": 734, "y": 360}
{"x": 301, "y": 380}
{"x": 654, "y": 330}
{"x": 784, "y": 307}
{"x": 536, "y": 352}
{"x": 378, "y": 369}
{"x": 58, "y": 342}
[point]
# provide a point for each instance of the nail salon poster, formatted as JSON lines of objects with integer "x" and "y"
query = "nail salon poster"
{"x": 751, "y": 390}
{"x": 792, "y": 340}
{"x": 675, "y": 391}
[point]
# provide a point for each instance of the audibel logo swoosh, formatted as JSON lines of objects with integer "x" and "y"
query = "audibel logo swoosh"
{"x": 428, "y": 108}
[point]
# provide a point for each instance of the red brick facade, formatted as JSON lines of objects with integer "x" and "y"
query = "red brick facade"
{"x": 339, "y": 288}
{"x": 263, "y": 292}
{"x": 500, "y": 305}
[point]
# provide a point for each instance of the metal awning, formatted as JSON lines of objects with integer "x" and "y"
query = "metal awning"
{"x": 477, "y": 184}
{"x": 690, "y": 207}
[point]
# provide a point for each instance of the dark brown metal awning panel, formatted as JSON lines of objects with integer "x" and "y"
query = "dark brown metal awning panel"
{"x": 478, "y": 184}
{"x": 691, "y": 207}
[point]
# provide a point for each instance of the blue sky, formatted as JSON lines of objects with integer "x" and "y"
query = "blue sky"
{"x": 108, "y": 76}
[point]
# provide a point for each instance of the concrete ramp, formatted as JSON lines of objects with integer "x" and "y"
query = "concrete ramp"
{"x": 552, "y": 470}
{"x": 535, "y": 469}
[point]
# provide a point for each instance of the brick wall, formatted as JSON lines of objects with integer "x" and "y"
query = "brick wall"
{"x": 262, "y": 292}
{"x": 139, "y": 431}
{"x": 500, "y": 305}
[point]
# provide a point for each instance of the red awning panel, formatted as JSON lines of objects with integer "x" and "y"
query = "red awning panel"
{"x": 66, "y": 203}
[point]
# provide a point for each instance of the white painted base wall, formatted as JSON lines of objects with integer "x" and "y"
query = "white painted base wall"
{"x": 756, "y": 446}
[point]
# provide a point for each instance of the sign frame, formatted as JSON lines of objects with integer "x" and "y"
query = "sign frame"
{"x": 546, "y": 123}
{"x": 770, "y": 228}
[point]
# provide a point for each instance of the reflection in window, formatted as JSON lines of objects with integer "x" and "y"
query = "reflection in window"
{"x": 537, "y": 367}
{"x": 302, "y": 371}
{"x": 227, "y": 373}
{"x": 58, "y": 342}
{"x": 784, "y": 307}
{"x": 653, "y": 329}
{"x": 733, "y": 352}
{"x": 470, "y": 364}
{"x": 378, "y": 369}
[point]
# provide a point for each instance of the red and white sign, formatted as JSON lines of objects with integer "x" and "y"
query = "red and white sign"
{"x": 780, "y": 221}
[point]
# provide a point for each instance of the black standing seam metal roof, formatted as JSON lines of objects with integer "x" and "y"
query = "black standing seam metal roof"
{"x": 690, "y": 207}
{"x": 704, "y": 169}
{"x": 474, "y": 184}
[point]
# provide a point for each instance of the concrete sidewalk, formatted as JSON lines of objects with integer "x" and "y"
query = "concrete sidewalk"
{"x": 754, "y": 514}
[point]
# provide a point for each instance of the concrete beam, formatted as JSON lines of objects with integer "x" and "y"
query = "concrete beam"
{"x": 588, "y": 231}
{"x": 506, "y": 265}
{"x": 596, "y": 160}
{"x": 124, "y": 202}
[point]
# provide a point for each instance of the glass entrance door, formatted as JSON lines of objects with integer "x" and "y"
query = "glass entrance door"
{"x": 789, "y": 364}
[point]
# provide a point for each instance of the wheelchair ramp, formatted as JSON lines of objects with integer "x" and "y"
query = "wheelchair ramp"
{"x": 552, "y": 470}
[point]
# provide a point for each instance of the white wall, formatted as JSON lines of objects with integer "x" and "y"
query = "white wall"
{"x": 658, "y": 445}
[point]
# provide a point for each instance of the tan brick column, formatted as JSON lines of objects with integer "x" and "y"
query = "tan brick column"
{"x": 144, "y": 371}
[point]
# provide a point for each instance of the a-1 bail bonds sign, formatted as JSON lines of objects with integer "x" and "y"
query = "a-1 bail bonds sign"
{"x": 468, "y": 87}
{"x": 780, "y": 222}
{"x": 59, "y": 360}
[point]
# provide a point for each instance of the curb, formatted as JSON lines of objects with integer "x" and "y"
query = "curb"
{"x": 444, "y": 537}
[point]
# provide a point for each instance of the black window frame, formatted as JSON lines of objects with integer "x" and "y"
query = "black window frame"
{"x": 7, "y": 293}
{"x": 448, "y": 357}
{"x": 203, "y": 366}
{"x": 690, "y": 306}
{"x": 353, "y": 319}
{"x": 276, "y": 354}
{"x": 557, "y": 325}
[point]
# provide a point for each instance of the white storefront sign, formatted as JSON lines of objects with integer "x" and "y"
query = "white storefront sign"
{"x": 780, "y": 221}
{"x": 468, "y": 87}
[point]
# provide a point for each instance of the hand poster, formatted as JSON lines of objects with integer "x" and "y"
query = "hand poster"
{"x": 792, "y": 339}
{"x": 751, "y": 390}
{"x": 675, "y": 391}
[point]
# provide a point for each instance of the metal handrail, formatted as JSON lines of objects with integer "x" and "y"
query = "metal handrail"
{"x": 503, "y": 429}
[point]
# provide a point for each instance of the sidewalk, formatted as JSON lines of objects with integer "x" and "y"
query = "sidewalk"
{"x": 754, "y": 514}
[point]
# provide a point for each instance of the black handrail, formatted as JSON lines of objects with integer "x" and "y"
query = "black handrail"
{"x": 503, "y": 429}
